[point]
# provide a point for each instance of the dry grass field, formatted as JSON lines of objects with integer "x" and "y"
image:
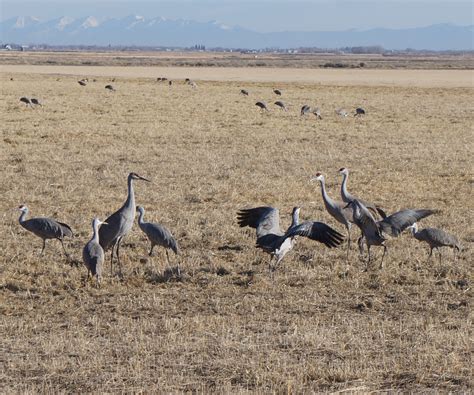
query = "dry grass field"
{"x": 225, "y": 326}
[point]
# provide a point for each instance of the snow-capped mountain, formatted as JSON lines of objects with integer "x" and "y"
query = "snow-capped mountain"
{"x": 143, "y": 31}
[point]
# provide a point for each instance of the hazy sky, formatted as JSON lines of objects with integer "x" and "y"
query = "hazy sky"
{"x": 262, "y": 15}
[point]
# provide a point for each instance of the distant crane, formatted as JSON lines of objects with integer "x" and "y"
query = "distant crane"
{"x": 359, "y": 112}
{"x": 317, "y": 113}
{"x": 262, "y": 105}
{"x": 36, "y": 102}
{"x": 277, "y": 92}
{"x": 110, "y": 88}
{"x": 280, "y": 104}
{"x": 93, "y": 254}
{"x": 347, "y": 197}
{"x": 436, "y": 238}
{"x": 45, "y": 228}
{"x": 337, "y": 210}
{"x": 305, "y": 110}
{"x": 158, "y": 235}
{"x": 26, "y": 100}
{"x": 170, "y": 83}
{"x": 244, "y": 92}
{"x": 373, "y": 232}
{"x": 341, "y": 112}
{"x": 271, "y": 239}
{"x": 82, "y": 82}
{"x": 119, "y": 223}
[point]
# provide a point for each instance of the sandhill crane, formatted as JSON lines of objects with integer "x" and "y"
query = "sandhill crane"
{"x": 373, "y": 232}
{"x": 435, "y": 238}
{"x": 158, "y": 79}
{"x": 45, "y": 228}
{"x": 359, "y": 111}
{"x": 93, "y": 254}
{"x": 164, "y": 79}
{"x": 170, "y": 83}
{"x": 187, "y": 80}
{"x": 305, "y": 109}
{"x": 262, "y": 105}
{"x": 317, "y": 113}
{"x": 110, "y": 88}
{"x": 341, "y": 112}
{"x": 192, "y": 84}
{"x": 244, "y": 92}
{"x": 36, "y": 102}
{"x": 82, "y": 82}
{"x": 337, "y": 210}
{"x": 277, "y": 92}
{"x": 271, "y": 239}
{"x": 26, "y": 100}
{"x": 280, "y": 104}
{"x": 347, "y": 197}
{"x": 120, "y": 222}
{"x": 158, "y": 235}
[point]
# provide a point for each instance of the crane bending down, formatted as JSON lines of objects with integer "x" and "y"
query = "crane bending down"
{"x": 119, "y": 223}
{"x": 158, "y": 235}
{"x": 93, "y": 254}
{"x": 45, "y": 228}
{"x": 435, "y": 238}
{"x": 280, "y": 104}
{"x": 373, "y": 232}
{"x": 347, "y": 197}
{"x": 337, "y": 210}
{"x": 262, "y": 105}
{"x": 271, "y": 239}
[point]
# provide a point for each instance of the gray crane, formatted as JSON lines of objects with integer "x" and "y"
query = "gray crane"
{"x": 244, "y": 92}
{"x": 337, "y": 210}
{"x": 280, "y": 104}
{"x": 120, "y": 222}
{"x": 341, "y": 112}
{"x": 271, "y": 239}
{"x": 359, "y": 112}
{"x": 36, "y": 102}
{"x": 110, "y": 88}
{"x": 262, "y": 105}
{"x": 45, "y": 228}
{"x": 277, "y": 92}
{"x": 93, "y": 255}
{"x": 317, "y": 113}
{"x": 373, "y": 232}
{"x": 347, "y": 197}
{"x": 305, "y": 109}
{"x": 158, "y": 235}
{"x": 435, "y": 238}
{"x": 26, "y": 100}
{"x": 82, "y": 82}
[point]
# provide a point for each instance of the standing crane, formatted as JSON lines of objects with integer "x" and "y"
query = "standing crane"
{"x": 341, "y": 112}
{"x": 435, "y": 238}
{"x": 305, "y": 109}
{"x": 337, "y": 210}
{"x": 244, "y": 92}
{"x": 359, "y": 112}
{"x": 277, "y": 92}
{"x": 119, "y": 223}
{"x": 26, "y": 100}
{"x": 280, "y": 104}
{"x": 93, "y": 254}
{"x": 262, "y": 105}
{"x": 110, "y": 88}
{"x": 373, "y": 232}
{"x": 271, "y": 239}
{"x": 158, "y": 235}
{"x": 45, "y": 228}
{"x": 347, "y": 197}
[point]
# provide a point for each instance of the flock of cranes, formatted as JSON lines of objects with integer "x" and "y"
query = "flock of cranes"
{"x": 374, "y": 224}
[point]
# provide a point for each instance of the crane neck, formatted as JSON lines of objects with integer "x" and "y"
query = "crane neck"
{"x": 131, "y": 194}
{"x": 95, "y": 231}
{"x": 23, "y": 216}
{"x": 326, "y": 198}
{"x": 141, "y": 214}
{"x": 344, "y": 192}
{"x": 295, "y": 220}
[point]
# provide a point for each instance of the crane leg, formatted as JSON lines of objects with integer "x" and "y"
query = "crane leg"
{"x": 151, "y": 250}
{"x": 384, "y": 251}
{"x": 431, "y": 253}
{"x": 64, "y": 249}
{"x": 118, "y": 256}
{"x": 439, "y": 252}
{"x": 348, "y": 242}
{"x": 112, "y": 260}
{"x": 44, "y": 246}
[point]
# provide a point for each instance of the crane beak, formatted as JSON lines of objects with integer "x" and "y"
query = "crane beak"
{"x": 144, "y": 179}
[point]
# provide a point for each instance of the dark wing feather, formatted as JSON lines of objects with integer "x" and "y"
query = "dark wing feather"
{"x": 399, "y": 221}
{"x": 317, "y": 231}
{"x": 66, "y": 229}
{"x": 265, "y": 219}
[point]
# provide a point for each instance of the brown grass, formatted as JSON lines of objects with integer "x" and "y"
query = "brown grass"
{"x": 226, "y": 326}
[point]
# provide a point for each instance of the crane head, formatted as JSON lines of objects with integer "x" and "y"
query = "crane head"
{"x": 23, "y": 208}
{"x": 344, "y": 171}
{"x": 317, "y": 177}
{"x": 140, "y": 209}
{"x": 135, "y": 176}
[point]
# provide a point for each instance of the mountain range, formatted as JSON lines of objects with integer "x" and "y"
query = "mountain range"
{"x": 141, "y": 31}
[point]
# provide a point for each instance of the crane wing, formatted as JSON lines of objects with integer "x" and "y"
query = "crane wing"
{"x": 317, "y": 231}
{"x": 264, "y": 219}
{"x": 399, "y": 221}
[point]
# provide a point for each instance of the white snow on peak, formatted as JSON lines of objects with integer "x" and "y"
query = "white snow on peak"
{"x": 23, "y": 21}
{"x": 90, "y": 22}
{"x": 64, "y": 21}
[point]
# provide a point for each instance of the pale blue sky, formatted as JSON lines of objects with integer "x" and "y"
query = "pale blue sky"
{"x": 262, "y": 15}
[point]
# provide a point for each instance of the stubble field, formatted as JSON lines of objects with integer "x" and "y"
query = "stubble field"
{"x": 226, "y": 326}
